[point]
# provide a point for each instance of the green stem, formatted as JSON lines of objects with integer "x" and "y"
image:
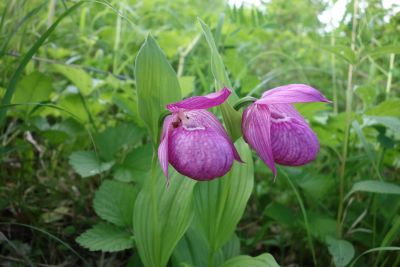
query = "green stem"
{"x": 154, "y": 209}
{"x": 390, "y": 74}
{"x": 304, "y": 213}
{"x": 211, "y": 258}
{"x": 243, "y": 102}
{"x": 333, "y": 67}
{"x": 349, "y": 98}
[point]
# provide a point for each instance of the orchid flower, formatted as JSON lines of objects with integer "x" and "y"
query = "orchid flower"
{"x": 276, "y": 131}
{"x": 194, "y": 141}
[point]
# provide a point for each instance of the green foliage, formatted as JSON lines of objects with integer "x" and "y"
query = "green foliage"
{"x": 264, "y": 260}
{"x": 74, "y": 105}
{"x": 232, "y": 117}
{"x": 87, "y": 163}
{"x": 156, "y": 84}
{"x": 220, "y": 204}
{"x": 33, "y": 88}
{"x": 374, "y": 186}
{"x": 114, "y": 202}
{"x": 106, "y": 238}
{"x": 342, "y": 251}
{"x": 77, "y": 76}
{"x": 162, "y": 216}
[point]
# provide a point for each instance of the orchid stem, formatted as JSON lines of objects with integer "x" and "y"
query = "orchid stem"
{"x": 304, "y": 213}
{"x": 153, "y": 188}
{"x": 211, "y": 258}
{"x": 349, "y": 96}
{"x": 333, "y": 67}
{"x": 390, "y": 74}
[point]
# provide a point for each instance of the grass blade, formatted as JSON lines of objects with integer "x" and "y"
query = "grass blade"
{"x": 25, "y": 60}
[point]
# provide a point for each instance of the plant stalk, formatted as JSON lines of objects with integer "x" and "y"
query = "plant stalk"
{"x": 390, "y": 74}
{"x": 349, "y": 98}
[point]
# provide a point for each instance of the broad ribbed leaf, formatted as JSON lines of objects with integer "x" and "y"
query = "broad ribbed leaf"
{"x": 156, "y": 83}
{"x": 162, "y": 216}
{"x": 193, "y": 249}
{"x": 114, "y": 202}
{"x": 232, "y": 118}
{"x": 263, "y": 260}
{"x": 220, "y": 204}
{"x": 106, "y": 238}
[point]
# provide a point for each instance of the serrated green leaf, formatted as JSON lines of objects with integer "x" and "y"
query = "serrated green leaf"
{"x": 219, "y": 204}
{"x": 162, "y": 216}
{"x": 87, "y": 163}
{"x": 374, "y": 186}
{"x": 136, "y": 165}
{"x": 114, "y": 202}
{"x": 77, "y": 76}
{"x": 106, "y": 238}
{"x": 342, "y": 251}
{"x": 112, "y": 139}
{"x": 156, "y": 83}
{"x": 263, "y": 260}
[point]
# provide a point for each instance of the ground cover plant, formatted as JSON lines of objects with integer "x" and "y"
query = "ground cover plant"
{"x": 119, "y": 117}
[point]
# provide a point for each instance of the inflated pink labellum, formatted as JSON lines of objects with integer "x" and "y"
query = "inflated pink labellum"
{"x": 193, "y": 140}
{"x": 276, "y": 131}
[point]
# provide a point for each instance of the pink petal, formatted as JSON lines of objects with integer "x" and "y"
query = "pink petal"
{"x": 163, "y": 147}
{"x": 293, "y": 142}
{"x": 256, "y": 123}
{"x": 201, "y": 102}
{"x": 208, "y": 119}
{"x": 292, "y": 93}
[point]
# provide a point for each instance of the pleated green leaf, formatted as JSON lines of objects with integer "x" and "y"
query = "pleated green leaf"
{"x": 156, "y": 83}
{"x": 263, "y": 260}
{"x": 232, "y": 118}
{"x": 162, "y": 216}
{"x": 220, "y": 204}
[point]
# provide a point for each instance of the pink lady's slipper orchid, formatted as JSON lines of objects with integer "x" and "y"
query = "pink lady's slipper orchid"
{"x": 276, "y": 131}
{"x": 194, "y": 141}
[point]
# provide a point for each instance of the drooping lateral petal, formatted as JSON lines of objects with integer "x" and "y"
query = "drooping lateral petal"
{"x": 256, "y": 124}
{"x": 163, "y": 147}
{"x": 292, "y": 93}
{"x": 292, "y": 140}
{"x": 201, "y": 102}
{"x": 208, "y": 119}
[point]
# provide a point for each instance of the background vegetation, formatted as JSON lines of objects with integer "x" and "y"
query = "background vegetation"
{"x": 71, "y": 134}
